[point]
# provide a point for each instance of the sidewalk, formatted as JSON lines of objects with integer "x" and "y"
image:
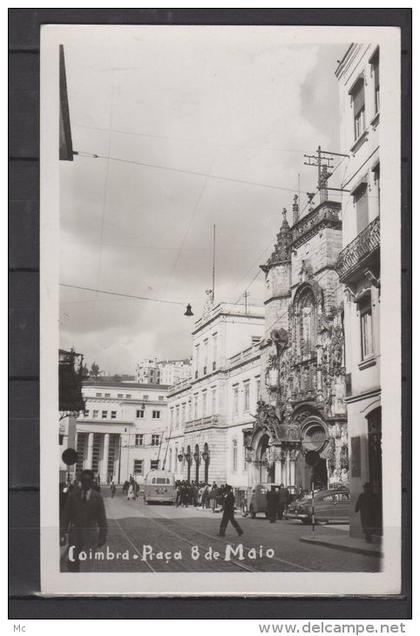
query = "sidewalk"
{"x": 343, "y": 542}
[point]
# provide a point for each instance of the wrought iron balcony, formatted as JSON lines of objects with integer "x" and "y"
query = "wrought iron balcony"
{"x": 356, "y": 254}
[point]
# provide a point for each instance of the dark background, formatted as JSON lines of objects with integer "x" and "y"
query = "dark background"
{"x": 24, "y": 574}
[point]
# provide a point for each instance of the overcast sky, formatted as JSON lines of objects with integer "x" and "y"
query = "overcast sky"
{"x": 226, "y": 102}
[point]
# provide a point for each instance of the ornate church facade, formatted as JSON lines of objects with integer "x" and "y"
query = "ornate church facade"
{"x": 300, "y": 429}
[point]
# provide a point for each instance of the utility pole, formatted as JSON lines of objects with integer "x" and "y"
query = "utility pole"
{"x": 322, "y": 161}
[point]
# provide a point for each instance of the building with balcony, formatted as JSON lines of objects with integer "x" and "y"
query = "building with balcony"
{"x": 122, "y": 430}
{"x": 299, "y": 435}
{"x": 358, "y": 265}
{"x": 209, "y": 411}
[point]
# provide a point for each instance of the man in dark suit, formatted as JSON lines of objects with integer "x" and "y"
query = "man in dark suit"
{"x": 272, "y": 504}
{"x": 228, "y": 513}
{"x": 84, "y": 519}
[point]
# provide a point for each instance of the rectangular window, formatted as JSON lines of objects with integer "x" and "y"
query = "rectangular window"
{"x": 214, "y": 350}
{"x": 196, "y": 360}
{"x": 214, "y": 401}
{"x": 235, "y": 400}
{"x": 183, "y": 413}
{"x": 145, "y": 397}
{"x": 177, "y": 415}
{"x": 206, "y": 353}
{"x": 155, "y": 439}
{"x": 99, "y": 395}
{"x": 154, "y": 464}
{"x": 140, "y": 413}
{"x": 258, "y": 387}
{"x": 375, "y": 72}
{"x": 95, "y": 413}
{"x": 205, "y": 403}
{"x": 246, "y": 396}
{"x": 195, "y": 406}
{"x": 107, "y": 394}
{"x": 138, "y": 467}
{"x": 128, "y": 396}
{"x": 161, "y": 398}
{"x": 120, "y": 396}
{"x": 358, "y": 98}
{"x": 366, "y": 327}
{"x": 113, "y": 415}
{"x": 360, "y": 198}
{"x": 377, "y": 180}
{"x": 189, "y": 411}
{"x": 104, "y": 415}
{"x": 138, "y": 440}
{"x": 86, "y": 413}
{"x": 156, "y": 415}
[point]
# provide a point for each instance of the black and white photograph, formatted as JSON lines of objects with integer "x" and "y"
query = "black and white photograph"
{"x": 220, "y": 310}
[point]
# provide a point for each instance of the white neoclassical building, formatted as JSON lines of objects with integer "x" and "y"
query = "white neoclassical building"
{"x": 208, "y": 413}
{"x": 123, "y": 430}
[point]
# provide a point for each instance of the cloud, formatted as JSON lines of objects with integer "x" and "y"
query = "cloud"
{"x": 229, "y": 103}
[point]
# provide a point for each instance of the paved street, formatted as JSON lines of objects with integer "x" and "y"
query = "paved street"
{"x": 161, "y": 538}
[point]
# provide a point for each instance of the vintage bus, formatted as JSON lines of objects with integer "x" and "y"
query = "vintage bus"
{"x": 159, "y": 487}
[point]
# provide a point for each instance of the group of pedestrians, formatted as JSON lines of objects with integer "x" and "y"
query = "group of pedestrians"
{"x": 278, "y": 499}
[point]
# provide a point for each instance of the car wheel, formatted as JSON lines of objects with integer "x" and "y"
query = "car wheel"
{"x": 252, "y": 512}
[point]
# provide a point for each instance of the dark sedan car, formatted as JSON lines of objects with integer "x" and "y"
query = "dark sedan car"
{"x": 330, "y": 505}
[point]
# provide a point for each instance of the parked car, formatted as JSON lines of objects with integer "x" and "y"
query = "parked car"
{"x": 258, "y": 499}
{"x": 330, "y": 505}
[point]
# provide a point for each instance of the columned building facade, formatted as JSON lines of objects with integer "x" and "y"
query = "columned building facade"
{"x": 123, "y": 429}
{"x": 300, "y": 432}
{"x": 358, "y": 266}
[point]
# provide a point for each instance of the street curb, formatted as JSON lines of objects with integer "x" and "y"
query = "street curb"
{"x": 345, "y": 548}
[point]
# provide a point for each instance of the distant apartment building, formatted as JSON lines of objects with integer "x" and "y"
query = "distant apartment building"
{"x": 209, "y": 411}
{"x": 358, "y": 265}
{"x": 167, "y": 372}
{"x": 173, "y": 371}
{"x": 123, "y": 429}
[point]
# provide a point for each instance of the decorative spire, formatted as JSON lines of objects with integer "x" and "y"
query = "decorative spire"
{"x": 295, "y": 208}
{"x": 282, "y": 248}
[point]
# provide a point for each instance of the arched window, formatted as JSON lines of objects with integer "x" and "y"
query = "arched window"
{"x": 307, "y": 325}
{"x": 235, "y": 455}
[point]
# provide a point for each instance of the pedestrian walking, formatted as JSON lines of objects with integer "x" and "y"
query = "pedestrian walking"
{"x": 283, "y": 500}
{"x": 113, "y": 489}
{"x": 131, "y": 492}
{"x": 229, "y": 513}
{"x": 272, "y": 504}
{"x": 84, "y": 521}
{"x": 367, "y": 505}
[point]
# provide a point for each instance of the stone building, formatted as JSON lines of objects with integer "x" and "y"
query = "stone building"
{"x": 123, "y": 429}
{"x": 358, "y": 265}
{"x": 154, "y": 371}
{"x": 208, "y": 413}
{"x": 302, "y": 406}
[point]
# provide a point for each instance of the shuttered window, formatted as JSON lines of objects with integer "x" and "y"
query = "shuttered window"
{"x": 362, "y": 207}
{"x": 358, "y": 98}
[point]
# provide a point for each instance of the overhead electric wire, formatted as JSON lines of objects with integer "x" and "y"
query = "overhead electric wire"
{"x": 190, "y": 139}
{"x": 111, "y": 293}
{"x": 184, "y": 171}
